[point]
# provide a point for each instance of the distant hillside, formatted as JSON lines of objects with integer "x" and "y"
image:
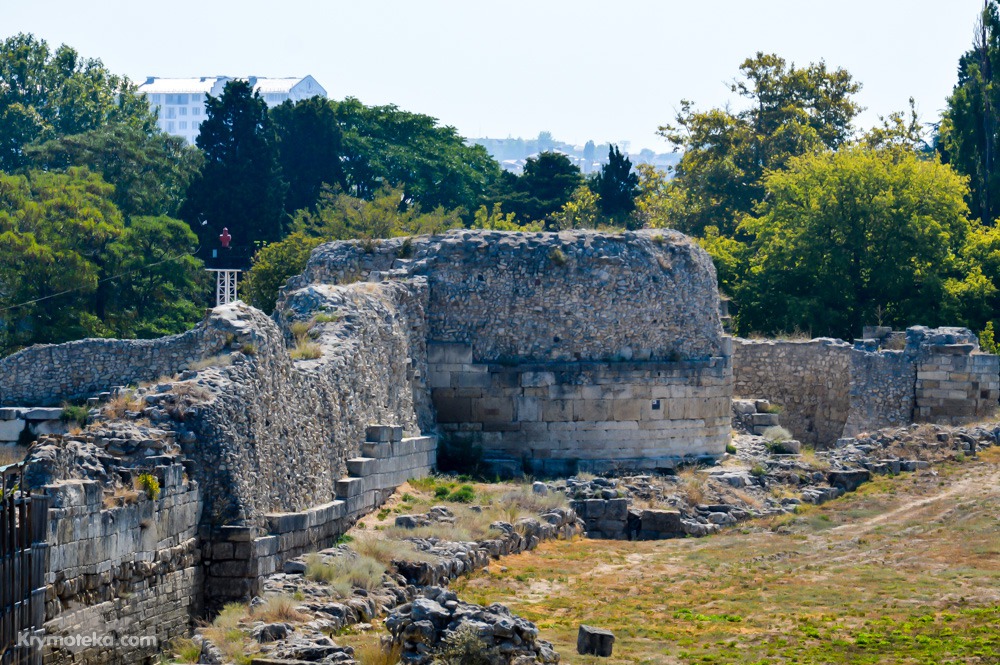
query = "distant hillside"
{"x": 512, "y": 153}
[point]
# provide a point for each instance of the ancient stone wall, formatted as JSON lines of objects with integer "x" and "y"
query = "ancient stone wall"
{"x": 124, "y": 571}
{"x": 51, "y": 373}
{"x": 570, "y": 296}
{"x": 955, "y": 386}
{"x": 277, "y": 433}
{"x": 809, "y": 379}
{"x": 881, "y": 390}
{"x": 561, "y": 418}
{"x": 829, "y": 389}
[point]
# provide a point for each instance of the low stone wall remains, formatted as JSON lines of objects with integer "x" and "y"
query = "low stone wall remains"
{"x": 47, "y": 374}
{"x": 122, "y": 572}
{"x": 809, "y": 379}
{"x": 239, "y": 558}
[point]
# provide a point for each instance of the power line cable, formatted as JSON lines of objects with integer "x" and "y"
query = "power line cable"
{"x": 101, "y": 281}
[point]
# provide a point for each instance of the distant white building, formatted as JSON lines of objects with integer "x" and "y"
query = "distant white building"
{"x": 180, "y": 103}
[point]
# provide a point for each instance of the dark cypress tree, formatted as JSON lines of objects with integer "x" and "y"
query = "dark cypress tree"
{"x": 240, "y": 186}
{"x": 617, "y": 185}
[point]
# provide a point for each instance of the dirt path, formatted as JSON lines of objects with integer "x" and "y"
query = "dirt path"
{"x": 982, "y": 480}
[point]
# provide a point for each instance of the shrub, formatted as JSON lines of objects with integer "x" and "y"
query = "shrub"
{"x": 465, "y": 647}
{"x": 74, "y": 414}
{"x": 249, "y": 349}
{"x": 148, "y": 483}
{"x": 777, "y": 434}
{"x": 558, "y": 257}
{"x": 758, "y": 471}
{"x": 375, "y": 653}
{"x": 305, "y": 350}
{"x": 441, "y": 492}
{"x": 464, "y": 494}
{"x": 345, "y": 572}
{"x": 185, "y": 650}
{"x": 327, "y": 317}
{"x": 731, "y": 448}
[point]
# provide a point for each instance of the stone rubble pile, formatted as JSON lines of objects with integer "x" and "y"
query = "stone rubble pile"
{"x": 423, "y": 624}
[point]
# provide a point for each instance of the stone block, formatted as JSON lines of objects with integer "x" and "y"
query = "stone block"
{"x": 448, "y": 353}
{"x": 279, "y": 523}
{"x": 559, "y": 410}
{"x": 10, "y": 430}
{"x": 376, "y": 450}
{"x": 592, "y": 641}
{"x": 362, "y": 466}
{"x": 592, "y": 410}
{"x": 453, "y": 410}
{"x": 537, "y": 379}
{"x": 493, "y": 410}
{"x": 663, "y": 521}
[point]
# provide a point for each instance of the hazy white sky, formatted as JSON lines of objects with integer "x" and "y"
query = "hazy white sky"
{"x": 606, "y": 70}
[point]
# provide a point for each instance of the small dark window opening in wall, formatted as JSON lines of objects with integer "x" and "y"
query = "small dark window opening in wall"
{"x": 538, "y": 282}
{"x": 481, "y": 278}
{"x": 656, "y": 405}
{"x": 556, "y": 339}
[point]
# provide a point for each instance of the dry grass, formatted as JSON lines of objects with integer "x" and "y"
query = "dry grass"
{"x": 221, "y": 360}
{"x": 278, "y": 609}
{"x": 125, "y": 401}
{"x": 372, "y": 651}
{"x": 122, "y": 497}
{"x": 376, "y": 547}
{"x": 906, "y": 570}
{"x": 346, "y": 572}
{"x": 227, "y": 633}
{"x": 184, "y": 651}
{"x": 12, "y": 454}
{"x": 305, "y": 348}
{"x": 692, "y": 485}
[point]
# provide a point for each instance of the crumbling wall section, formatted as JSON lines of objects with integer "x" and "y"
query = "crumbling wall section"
{"x": 47, "y": 374}
{"x": 810, "y": 380}
{"x": 277, "y": 433}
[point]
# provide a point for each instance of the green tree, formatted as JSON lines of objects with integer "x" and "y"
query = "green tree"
{"x": 547, "y": 183}
{"x": 616, "y": 185}
{"x": 842, "y": 235}
{"x": 970, "y": 127}
{"x": 583, "y": 211}
{"x": 71, "y": 268}
{"x": 309, "y": 149}
{"x": 157, "y": 279}
{"x": 46, "y": 94}
{"x": 273, "y": 265}
{"x": 494, "y": 219}
{"x": 383, "y": 145}
{"x": 239, "y": 186}
{"x": 339, "y": 217}
{"x": 151, "y": 171}
{"x": 789, "y": 111}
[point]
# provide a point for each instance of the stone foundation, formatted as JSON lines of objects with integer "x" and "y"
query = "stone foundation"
{"x": 126, "y": 572}
{"x": 561, "y": 418}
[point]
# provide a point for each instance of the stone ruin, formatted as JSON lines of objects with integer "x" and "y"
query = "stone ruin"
{"x": 549, "y": 354}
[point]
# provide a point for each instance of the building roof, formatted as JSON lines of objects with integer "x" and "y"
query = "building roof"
{"x": 156, "y": 85}
{"x": 206, "y": 84}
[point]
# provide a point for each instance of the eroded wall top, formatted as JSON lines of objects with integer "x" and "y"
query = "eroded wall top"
{"x": 573, "y": 295}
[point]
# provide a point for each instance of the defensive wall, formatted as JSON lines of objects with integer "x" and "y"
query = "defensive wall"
{"x": 550, "y": 353}
{"x": 830, "y": 389}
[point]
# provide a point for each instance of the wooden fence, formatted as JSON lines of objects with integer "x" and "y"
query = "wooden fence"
{"x": 23, "y": 553}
